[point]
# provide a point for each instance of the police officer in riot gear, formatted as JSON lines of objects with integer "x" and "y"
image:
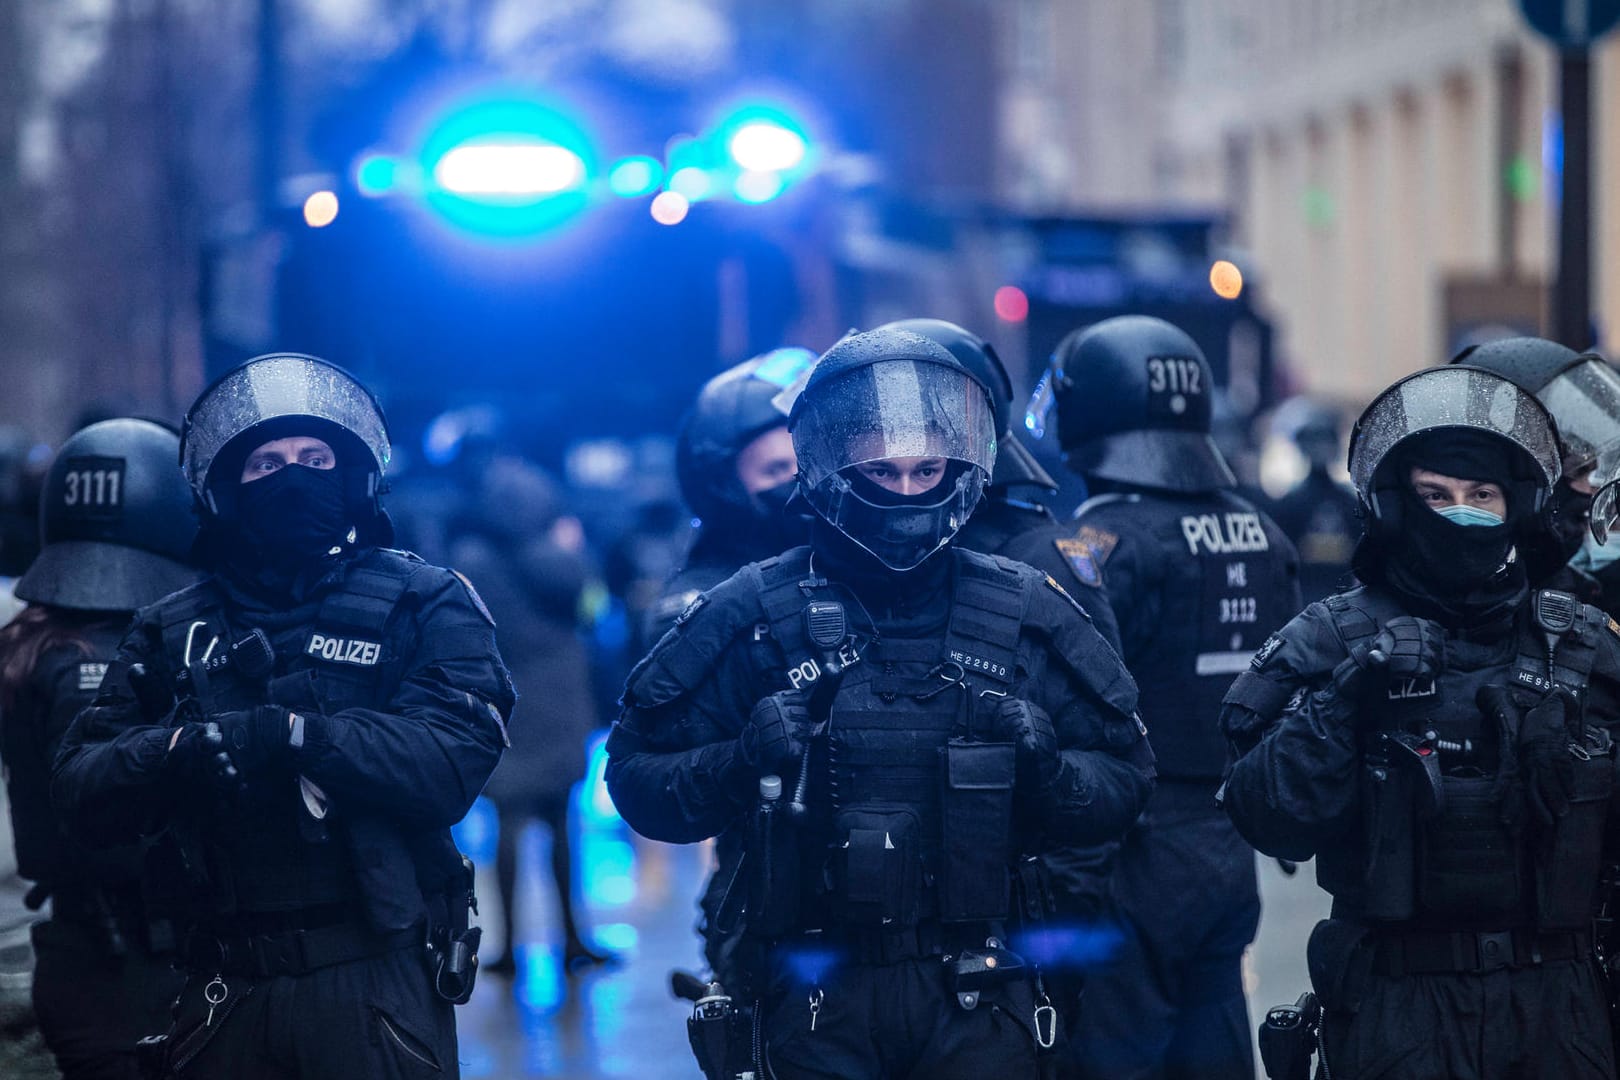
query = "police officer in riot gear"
{"x": 1197, "y": 577}
{"x": 117, "y": 533}
{"x": 1003, "y": 521}
{"x": 307, "y": 723}
{"x": 931, "y": 718}
{"x": 1319, "y": 513}
{"x": 1440, "y": 739}
{"x": 1582, "y": 392}
{"x": 735, "y": 466}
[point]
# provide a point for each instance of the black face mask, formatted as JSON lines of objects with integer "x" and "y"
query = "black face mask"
{"x": 779, "y": 528}
{"x": 295, "y": 515}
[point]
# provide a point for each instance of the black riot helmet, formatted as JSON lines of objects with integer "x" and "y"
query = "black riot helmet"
{"x": 116, "y": 522}
{"x": 1015, "y": 465}
{"x": 1133, "y": 398}
{"x": 275, "y": 396}
{"x": 1467, "y": 401}
{"x": 1580, "y": 390}
{"x": 887, "y": 394}
{"x": 732, "y": 410}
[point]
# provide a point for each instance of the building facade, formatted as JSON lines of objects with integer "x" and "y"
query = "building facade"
{"x": 1391, "y": 167}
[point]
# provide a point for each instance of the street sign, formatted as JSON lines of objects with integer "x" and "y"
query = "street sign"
{"x": 1571, "y": 24}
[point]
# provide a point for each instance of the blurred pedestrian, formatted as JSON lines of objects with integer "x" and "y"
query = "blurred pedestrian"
{"x": 527, "y": 557}
{"x": 1319, "y": 513}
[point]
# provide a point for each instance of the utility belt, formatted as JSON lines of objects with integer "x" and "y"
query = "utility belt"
{"x": 1433, "y": 952}
{"x": 880, "y": 945}
{"x": 116, "y": 920}
{"x": 290, "y": 943}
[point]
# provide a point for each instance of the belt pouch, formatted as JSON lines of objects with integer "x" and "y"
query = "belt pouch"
{"x": 978, "y": 808}
{"x": 1569, "y": 862}
{"x": 877, "y": 872}
{"x": 1472, "y": 866}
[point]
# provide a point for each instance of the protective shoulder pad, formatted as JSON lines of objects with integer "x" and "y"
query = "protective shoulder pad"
{"x": 183, "y": 606}
{"x": 1075, "y": 644}
{"x": 1310, "y": 644}
{"x": 689, "y": 651}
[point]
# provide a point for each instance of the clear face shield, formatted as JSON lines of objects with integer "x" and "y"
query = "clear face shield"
{"x": 1585, "y": 404}
{"x": 287, "y": 385}
{"x": 1452, "y": 397}
{"x": 904, "y": 412}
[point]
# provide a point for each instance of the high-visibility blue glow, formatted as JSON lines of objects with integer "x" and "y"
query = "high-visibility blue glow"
{"x": 635, "y": 176}
{"x": 475, "y": 833}
{"x": 507, "y": 167}
{"x": 758, "y": 187}
{"x": 596, "y": 805}
{"x": 691, "y": 183}
{"x": 618, "y": 937}
{"x": 766, "y": 146}
{"x": 376, "y": 174}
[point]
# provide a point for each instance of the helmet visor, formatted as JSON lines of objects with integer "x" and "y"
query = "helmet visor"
{"x": 1585, "y": 403}
{"x": 894, "y": 409}
{"x": 273, "y": 387}
{"x": 1452, "y": 397}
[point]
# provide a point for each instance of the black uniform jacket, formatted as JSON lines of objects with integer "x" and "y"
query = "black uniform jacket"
{"x": 416, "y": 761}
{"x": 676, "y": 773}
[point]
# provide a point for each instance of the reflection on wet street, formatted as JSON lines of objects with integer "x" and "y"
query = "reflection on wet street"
{"x": 622, "y": 1021}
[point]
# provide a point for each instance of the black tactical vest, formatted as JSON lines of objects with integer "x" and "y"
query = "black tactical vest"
{"x": 1446, "y": 857}
{"x": 1225, "y": 587}
{"x": 271, "y": 849}
{"x": 909, "y": 754}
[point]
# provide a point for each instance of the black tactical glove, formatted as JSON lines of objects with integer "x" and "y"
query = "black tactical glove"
{"x": 197, "y": 754}
{"x": 1406, "y": 648}
{"x": 1031, "y": 731}
{"x": 777, "y": 732}
{"x": 1544, "y": 755}
{"x": 255, "y": 738}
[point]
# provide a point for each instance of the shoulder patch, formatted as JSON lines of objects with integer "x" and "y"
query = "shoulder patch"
{"x": 1614, "y": 627}
{"x": 472, "y": 594}
{"x": 692, "y": 607}
{"x": 1077, "y": 553}
{"x": 1268, "y": 648}
{"x": 1101, "y": 542}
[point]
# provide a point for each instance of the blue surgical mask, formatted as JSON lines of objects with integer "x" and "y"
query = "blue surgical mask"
{"x": 1594, "y": 556}
{"x": 1468, "y": 515}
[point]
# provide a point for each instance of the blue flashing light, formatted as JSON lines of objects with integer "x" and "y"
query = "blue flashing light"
{"x": 756, "y": 187}
{"x": 635, "y": 176}
{"x": 691, "y": 183}
{"x": 782, "y": 367}
{"x": 765, "y": 138}
{"x": 475, "y": 833}
{"x": 376, "y": 175}
{"x": 618, "y": 937}
{"x": 507, "y": 167}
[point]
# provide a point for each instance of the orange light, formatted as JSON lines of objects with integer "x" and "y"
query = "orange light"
{"x": 669, "y": 207}
{"x": 320, "y": 209}
{"x": 1226, "y": 279}
{"x": 1011, "y": 304}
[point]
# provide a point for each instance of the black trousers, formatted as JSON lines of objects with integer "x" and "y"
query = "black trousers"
{"x": 1170, "y": 1004}
{"x": 1535, "y": 1023}
{"x": 376, "y": 1017}
{"x": 93, "y": 1007}
{"x": 893, "y": 1021}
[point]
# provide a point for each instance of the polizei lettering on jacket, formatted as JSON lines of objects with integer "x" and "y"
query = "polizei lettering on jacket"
{"x": 344, "y": 650}
{"x": 1224, "y": 534}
